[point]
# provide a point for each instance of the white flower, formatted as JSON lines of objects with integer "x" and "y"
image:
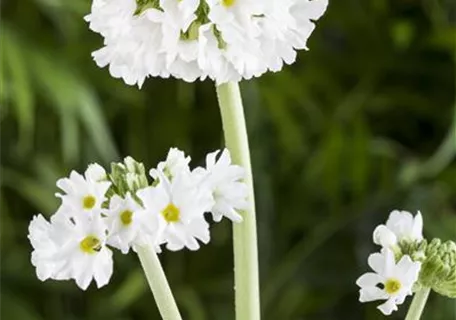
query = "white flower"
{"x": 111, "y": 18}
{"x": 131, "y": 42}
{"x": 225, "y": 40}
{"x": 45, "y": 248}
{"x": 83, "y": 196}
{"x": 175, "y": 19}
{"x": 174, "y": 212}
{"x": 391, "y": 282}
{"x": 213, "y": 60}
{"x": 71, "y": 249}
{"x": 401, "y": 225}
{"x": 176, "y": 163}
{"x": 224, "y": 182}
{"x": 122, "y": 222}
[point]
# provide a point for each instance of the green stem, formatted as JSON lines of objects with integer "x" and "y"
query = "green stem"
{"x": 247, "y": 295}
{"x": 158, "y": 283}
{"x": 417, "y": 306}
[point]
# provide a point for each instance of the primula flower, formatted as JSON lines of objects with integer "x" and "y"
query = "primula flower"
{"x": 224, "y": 181}
{"x": 71, "y": 249}
{"x": 83, "y": 195}
{"x": 400, "y": 226}
{"x": 124, "y": 229}
{"x": 176, "y": 163}
{"x": 225, "y": 40}
{"x": 391, "y": 282}
{"x": 45, "y": 247}
{"x": 173, "y": 212}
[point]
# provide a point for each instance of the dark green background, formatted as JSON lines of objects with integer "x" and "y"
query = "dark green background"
{"x": 360, "y": 125}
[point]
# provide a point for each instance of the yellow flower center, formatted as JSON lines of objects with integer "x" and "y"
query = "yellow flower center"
{"x": 392, "y": 286}
{"x": 126, "y": 217}
{"x": 228, "y": 3}
{"x": 171, "y": 213}
{"x": 88, "y": 202}
{"x": 90, "y": 244}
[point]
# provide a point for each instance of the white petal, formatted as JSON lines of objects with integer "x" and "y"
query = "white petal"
{"x": 369, "y": 279}
{"x": 103, "y": 267}
{"x": 95, "y": 172}
{"x": 382, "y": 263}
{"x": 388, "y": 307}
{"x": 367, "y": 294}
{"x": 417, "y": 232}
{"x": 407, "y": 270}
{"x": 384, "y": 237}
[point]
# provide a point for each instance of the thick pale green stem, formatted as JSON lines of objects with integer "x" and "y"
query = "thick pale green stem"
{"x": 244, "y": 234}
{"x": 418, "y": 303}
{"x": 158, "y": 283}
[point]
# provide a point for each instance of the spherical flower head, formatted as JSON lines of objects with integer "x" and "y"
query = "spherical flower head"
{"x": 400, "y": 226}
{"x": 83, "y": 195}
{"x": 176, "y": 163}
{"x": 390, "y": 281}
{"x": 224, "y": 182}
{"x": 173, "y": 212}
{"x": 122, "y": 223}
{"x": 225, "y": 40}
{"x": 71, "y": 249}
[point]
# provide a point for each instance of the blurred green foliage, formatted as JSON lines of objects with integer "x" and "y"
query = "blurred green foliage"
{"x": 361, "y": 124}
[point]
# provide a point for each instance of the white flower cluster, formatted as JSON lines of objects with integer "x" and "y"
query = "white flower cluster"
{"x": 392, "y": 280}
{"x": 225, "y": 40}
{"x": 124, "y": 211}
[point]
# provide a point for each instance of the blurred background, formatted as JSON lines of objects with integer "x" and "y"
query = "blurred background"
{"x": 362, "y": 124}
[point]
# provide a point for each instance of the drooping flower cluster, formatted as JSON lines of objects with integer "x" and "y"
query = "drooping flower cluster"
{"x": 123, "y": 210}
{"x": 407, "y": 263}
{"x": 224, "y": 40}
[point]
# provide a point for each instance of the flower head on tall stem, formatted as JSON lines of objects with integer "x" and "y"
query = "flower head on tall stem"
{"x": 225, "y": 40}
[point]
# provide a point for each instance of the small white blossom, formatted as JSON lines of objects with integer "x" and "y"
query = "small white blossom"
{"x": 401, "y": 225}
{"x": 124, "y": 230}
{"x": 224, "y": 181}
{"x": 71, "y": 249}
{"x": 390, "y": 281}
{"x": 173, "y": 212}
{"x": 45, "y": 248}
{"x": 83, "y": 196}
{"x": 176, "y": 163}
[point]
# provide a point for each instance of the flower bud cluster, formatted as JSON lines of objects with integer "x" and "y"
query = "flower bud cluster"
{"x": 438, "y": 268}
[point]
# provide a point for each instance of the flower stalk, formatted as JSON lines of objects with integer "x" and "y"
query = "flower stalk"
{"x": 158, "y": 283}
{"x": 418, "y": 303}
{"x": 247, "y": 300}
